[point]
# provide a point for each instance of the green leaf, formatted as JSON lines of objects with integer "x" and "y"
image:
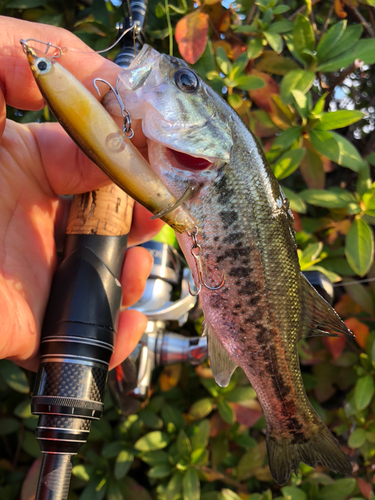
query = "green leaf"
{"x": 226, "y": 412}
{"x": 349, "y": 38}
{"x": 296, "y": 202}
{"x": 363, "y": 50}
{"x": 123, "y": 463}
{"x": 95, "y": 490}
{"x": 254, "y": 48}
{"x": 150, "y": 419}
{"x": 30, "y": 444}
{"x": 336, "y": 148}
{"x": 359, "y": 246}
{"x": 329, "y": 40}
{"x": 303, "y": 37}
{"x": 359, "y": 294}
{"x": 338, "y": 119}
{"x": 201, "y": 408}
{"x": 280, "y": 27}
{"x": 160, "y": 471}
{"x": 274, "y": 41}
{"x": 250, "y": 461}
{"x": 271, "y": 62}
{"x": 200, "y": 434}
{"x": 286, "y": 139}
{"x": 183, "y": 444}
{"x": 240, "y": 395}
{"x": 114, "y": 491}
{"x": 199, "y": 456}
{"x": 111, "y": 450}
{"x": 357, "y": 438}
{"x": 239, "y": 65}
{"x": 249, "y": 82}
{"x": 8, "y": 426}
{"x": 297, "y": 79}
{"x": 326, "y": 198}
{"x": 172, "y": 414}
{"x": 174, "y": 487}
{"x": 293, "y": 493}
{"x": 14, "y": 376}
{"x": 227, "y": 494}
{"x": 191, "y": 485}
{"x": 281, "y": 9}
{"x": 23, "y": 409}
{"x": 288, "y": 163}
{"x": 363, "y": 392}
{"x": 235, "y": 101}
{"x": 84, "y": 472}
{"x": 339, "y": 490}
{"x": 223, "y": 61}
{"x": 155, "y": 457}
{"x": 155, "y": 440}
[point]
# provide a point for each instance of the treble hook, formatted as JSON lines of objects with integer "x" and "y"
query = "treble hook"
{"x": 195, "y": 252}
{"x": 127, "y": 124}
{"x": 25, "y": 46}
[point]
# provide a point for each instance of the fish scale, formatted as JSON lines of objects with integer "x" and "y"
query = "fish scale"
{"x": 245, "y": 230}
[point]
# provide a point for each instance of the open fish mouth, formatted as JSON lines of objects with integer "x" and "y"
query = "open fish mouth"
{"x": 185, "y": 161}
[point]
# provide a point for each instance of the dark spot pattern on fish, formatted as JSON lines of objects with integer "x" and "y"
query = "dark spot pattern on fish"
{"x": 229, "y": 217}
{"x": 239, "y": 272}
{"x": 248, "y": 288}
{"x": 225, "y": 193}
{"x": 254, "y": 300}
{"x": 232, "y": 237}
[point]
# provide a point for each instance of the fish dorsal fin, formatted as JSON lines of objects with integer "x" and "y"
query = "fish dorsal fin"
{"x": 320, "y": 319}
{"x": 222, "y": 366}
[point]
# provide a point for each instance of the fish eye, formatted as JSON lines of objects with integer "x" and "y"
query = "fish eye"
{"x": 43, "y": 65}
{"x": 186, "y": 80}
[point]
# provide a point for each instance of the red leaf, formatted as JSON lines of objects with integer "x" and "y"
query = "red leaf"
{"x": 263, "y": 97}
{"x": 335, "y": 345}
{"x": 360, "y": 330}
{"x": 366, "y": 488}
{"x": 192, "y": 35}
{"x": 246, "y": 416}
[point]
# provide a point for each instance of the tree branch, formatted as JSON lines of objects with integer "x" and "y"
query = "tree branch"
{"x": 301, "y": 9}
{"x": 363, "y": 21}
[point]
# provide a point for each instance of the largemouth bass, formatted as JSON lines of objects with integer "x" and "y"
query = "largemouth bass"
{"x": 245, "y": 230}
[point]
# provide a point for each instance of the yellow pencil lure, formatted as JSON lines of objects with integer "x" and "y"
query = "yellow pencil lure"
{"x": 96, "y": 133}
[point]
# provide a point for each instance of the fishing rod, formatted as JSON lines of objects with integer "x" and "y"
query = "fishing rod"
{"x": 81, "y": 319}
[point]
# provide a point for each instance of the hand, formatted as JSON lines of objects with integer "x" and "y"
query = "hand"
{"x": 39, "y": 162}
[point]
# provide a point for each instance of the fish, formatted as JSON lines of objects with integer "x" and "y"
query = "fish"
{"x": 96, "y": 133}
{"x": 256, "y": 316}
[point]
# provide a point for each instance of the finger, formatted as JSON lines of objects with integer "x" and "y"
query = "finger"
{"x": 136, "y": 270}
{"x": 143, "y": 228}
{"x": 132, "y": 325}
{"x": 20, "y": 89}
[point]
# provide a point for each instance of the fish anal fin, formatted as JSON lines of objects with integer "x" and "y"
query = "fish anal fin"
{"x": 319, "y": 318}
{"x": 222, "y": 366}
{"x": 285, "y": 454}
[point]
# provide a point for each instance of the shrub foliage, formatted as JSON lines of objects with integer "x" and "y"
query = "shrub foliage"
{"x": 300, "y": 75}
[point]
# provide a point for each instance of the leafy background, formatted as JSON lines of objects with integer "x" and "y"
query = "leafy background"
{"x": 301, "y": 76}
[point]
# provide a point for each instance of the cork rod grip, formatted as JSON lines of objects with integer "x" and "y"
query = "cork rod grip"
{"x": 106, "y": 211}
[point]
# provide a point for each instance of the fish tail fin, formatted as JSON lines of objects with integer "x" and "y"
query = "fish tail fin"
{"x": 321, "y": 447}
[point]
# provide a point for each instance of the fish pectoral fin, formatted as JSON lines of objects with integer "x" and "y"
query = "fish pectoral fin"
{"x": 320, "y": 319}
{"x": 222, "y": 366}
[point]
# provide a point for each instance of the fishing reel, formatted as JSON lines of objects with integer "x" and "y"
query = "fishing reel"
{"x": 130, "y": 382}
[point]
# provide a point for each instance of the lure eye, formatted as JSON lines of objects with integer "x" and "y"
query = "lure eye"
{"x": 186, "y": 80}
{"x": 43, "y": 65}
